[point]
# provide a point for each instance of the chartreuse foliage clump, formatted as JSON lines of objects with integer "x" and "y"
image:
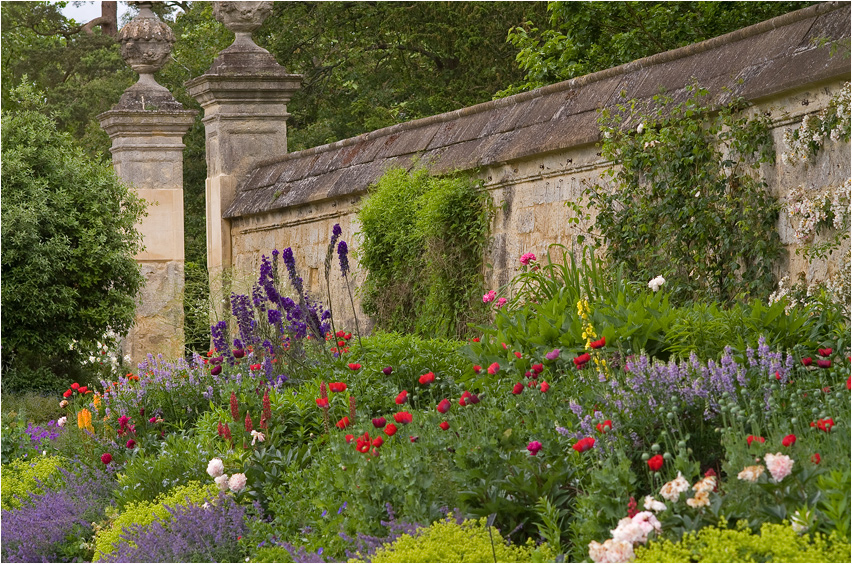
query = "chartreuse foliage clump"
{"x": 424, "y": 238}
{"x": 23, "y": 478}
{"x": 143, "y": 513}
{"x": 775, "y": 543}
{"x": 687, "y": 200}
{"x": 448, "y": 541}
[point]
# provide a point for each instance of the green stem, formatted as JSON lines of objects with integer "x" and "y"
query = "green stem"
{"x": 352, "y": 301}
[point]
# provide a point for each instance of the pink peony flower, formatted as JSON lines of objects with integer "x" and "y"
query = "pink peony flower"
{"x": 237, "y": 483}
{"x": 552, "y": 355}
{"x": 779, "y": 465}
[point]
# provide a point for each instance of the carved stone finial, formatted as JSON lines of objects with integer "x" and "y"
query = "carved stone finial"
{"x": 242, "y": 18}
{"x": 146, "y": 43}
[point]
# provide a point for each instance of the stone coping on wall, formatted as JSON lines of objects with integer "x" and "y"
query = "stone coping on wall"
{"x": 758, "y": 62}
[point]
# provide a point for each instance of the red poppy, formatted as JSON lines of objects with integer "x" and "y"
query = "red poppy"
{"x": 337, "y": 386}
{"x": 584, "y": 444}
{"x": 532, "y": 383}
{"x": 807, "y": 361}
{"x": 106, "y": 458}
{"x": 517, "y": 354}
{"x": 216, "y": 370}
{"x": 598, "y": 344}
{"x": 825, "y": 352}
{"x": 354, "y": 366}
{"x": 254, "y": 367}
{"x": 362, "y": 445}
{"x": 427, "y": 378}
{"x": 378, "y": 441}
{"x": 390, "y": 430}
{"x": 538, "y": 368}
{"x": 444, "y": 406}
{"x": 777, "y": 376}
{"x": 322, "y": 402}
{"x": 67, "y": 393}
{"x": 544, "y": 387}
{"x": 823, "y": 363}
{"x": 379, "y": 422}
{"x": 816, "y": 459}
{"x": 823, "y": 424}
{"x": 604, "y": 427}
{"x": 849, "y": 383}
{"x": 239, "y": 353}
{"x": 387, "y": 370}
{"x": 131, "y": 443}
{"x": 789, "y": 440}
{"x": 444, "y": 425}
{"x": 474, "y": 399}
{"x": 655, "y": 463}
{"x": 581, "y": 360}
{"x": 349, "y": 438}
{"x": 518, "y": 388}
{"x": 82, "y": 389}
{"x": 463, "y": 400}
{"x": 477, "y": 368}
{"x": 494, "y": 369}
{"x": 343, "y": 423}
{"x": 752, "y": 438}
{"x": 413, "y": 438}
{"x": 475, "y": 339}
{"x": 403, "y": 417}
{"x": 75, "y": 386}
{"x": 402, "y": 397}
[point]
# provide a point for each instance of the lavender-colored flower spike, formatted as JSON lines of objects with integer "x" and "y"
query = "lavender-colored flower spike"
{"x": 343, "y": 253}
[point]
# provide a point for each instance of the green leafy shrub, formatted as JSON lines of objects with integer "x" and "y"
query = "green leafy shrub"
{"x": 107, "y": 539}
{"x": 423, "y": 242}
{"x": 688, "y": 201}
{"x": 25, "y": 477}
{"x": 774, "y": 543}
{"x": 470, "y": 541}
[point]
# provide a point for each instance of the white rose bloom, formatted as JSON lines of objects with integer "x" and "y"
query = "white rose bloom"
{"x": 656, "y": 283}
{"x": 237, "y": 483}
{"x": 222, "y": 482}
{"x": 216, "y": 468}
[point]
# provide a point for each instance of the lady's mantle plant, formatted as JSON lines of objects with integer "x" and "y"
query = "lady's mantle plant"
{"x": 687, "y": 200}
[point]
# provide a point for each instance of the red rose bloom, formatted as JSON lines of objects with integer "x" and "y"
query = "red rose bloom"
{"x": 379, "y": 422}
{"x": 67, "y": 393}
{"x": 518, "y": 388}
{"x": 584, "y": 444}
{"x": 378, "y": 441}
{"x": 825, "y": 352}
{"x": 444, "y": 425}
{"x": 807, "y": 361}
{"x": 322, "y": 402}
{"x": 544, "y": 387}
{"x": 816, "y": 458}
{"x": 343, "y": 423}
{"x": 752, "y": 438}
{"x": 106, "y": 458}
{"x": 403, "y": 418}
{"x": 390, "y": 430}
{"x": 427, "y": 378}
{"x": 789, "y": 440}
{"x": 655, "y": 463}
{"x": 402, "y": 397}
{"x": 494, "y": 369}
{"x": 337, "y": 387}
{"x": 604, "y": 427}
{"x": 444, "y": 406}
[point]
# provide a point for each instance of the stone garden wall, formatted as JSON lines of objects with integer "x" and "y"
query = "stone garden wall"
{"x": 537, "y": 150}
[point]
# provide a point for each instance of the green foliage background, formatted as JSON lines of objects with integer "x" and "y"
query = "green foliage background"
{"x": 423, "y": 242}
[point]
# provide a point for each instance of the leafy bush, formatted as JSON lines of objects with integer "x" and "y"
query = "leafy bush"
{"x": 24, "y": 478}
{"x": 423, "y": 242}
{"x": 69, "y": 239}
{"x": 108, "y": 539}
{"x": 470, "y": 541}
{"x": 775, "y": 543}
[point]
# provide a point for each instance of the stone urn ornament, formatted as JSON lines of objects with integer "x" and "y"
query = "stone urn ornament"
{"x": 243, "y": 18}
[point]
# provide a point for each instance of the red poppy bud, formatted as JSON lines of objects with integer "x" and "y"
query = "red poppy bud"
{"x": 402, "y": 397}
{"x": 518, "y": 388}
{"x": 789, "y": 440}
{"x": 379, "y": 422}
{"x": 378, "y": 441}
{"x": 444, "y": 425}
{"x": 390, "y": 430}
{"x": 106, "y": 458}
{"x": 604, "y": 427}
{"x": 655, "y": 463}
{"x": 444, "y": 406}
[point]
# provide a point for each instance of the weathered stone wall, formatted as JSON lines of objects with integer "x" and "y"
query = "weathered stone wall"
{"x": 537, "y": 150}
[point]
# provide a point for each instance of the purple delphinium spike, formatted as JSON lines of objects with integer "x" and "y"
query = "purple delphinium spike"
{"x": 343, "y": 254}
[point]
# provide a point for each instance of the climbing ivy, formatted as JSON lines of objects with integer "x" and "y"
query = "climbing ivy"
{"x": 687, "y": 199}
{"x": 424, "y": 238}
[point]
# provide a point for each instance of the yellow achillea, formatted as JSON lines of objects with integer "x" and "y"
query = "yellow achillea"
{"x": 84, "y": 420}
{"x": 583, "y": 311}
